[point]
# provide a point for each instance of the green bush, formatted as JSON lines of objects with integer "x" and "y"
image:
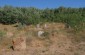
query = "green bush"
{"x": 45, "y": 35}
{"x": 74, "y": 17}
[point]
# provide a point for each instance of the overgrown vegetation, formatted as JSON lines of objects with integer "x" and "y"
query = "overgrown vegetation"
{"x": 74, "y": 17}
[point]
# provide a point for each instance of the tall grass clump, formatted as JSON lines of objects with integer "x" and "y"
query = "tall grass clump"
{"x": 2, "y": 34}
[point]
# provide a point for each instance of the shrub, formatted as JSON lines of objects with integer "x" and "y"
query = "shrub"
{"x": 20, "y": 26}
{"x": 74, "y": 17}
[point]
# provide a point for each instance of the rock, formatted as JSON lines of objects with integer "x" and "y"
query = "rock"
{"x": 40, "y": 33}
{"x": 19, "y": 43}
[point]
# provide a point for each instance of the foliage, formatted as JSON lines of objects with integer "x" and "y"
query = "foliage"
{"x": 74, "y": 17}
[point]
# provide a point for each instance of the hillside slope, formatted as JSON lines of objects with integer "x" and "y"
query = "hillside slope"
{"x": 56, "y": 40}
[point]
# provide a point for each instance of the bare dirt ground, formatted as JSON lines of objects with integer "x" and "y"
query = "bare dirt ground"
{"x": 57, "y": 42}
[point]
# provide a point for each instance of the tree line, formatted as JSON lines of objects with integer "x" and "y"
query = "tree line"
{"x": 74, "y": 17}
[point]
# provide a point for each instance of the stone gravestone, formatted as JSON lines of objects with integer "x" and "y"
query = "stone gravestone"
{"x": 19, "y": 43}
{"x": 40, "y": 33}
{"x": 38, "y": 25}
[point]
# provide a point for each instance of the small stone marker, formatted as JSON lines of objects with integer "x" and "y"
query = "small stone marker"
{"x": 40, "y": 33}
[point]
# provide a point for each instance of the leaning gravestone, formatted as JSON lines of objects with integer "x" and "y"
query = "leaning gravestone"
{"x": 19, "y": 43}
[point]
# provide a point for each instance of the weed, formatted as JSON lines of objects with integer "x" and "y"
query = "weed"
{"x": 20, "y": 26}
{"x": 45, "y": 34}
{"x": 2, "y": 34}
{"x": 76, "y": 54}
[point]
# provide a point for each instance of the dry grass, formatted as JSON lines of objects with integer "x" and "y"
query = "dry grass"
{"x": 57, "y": 40}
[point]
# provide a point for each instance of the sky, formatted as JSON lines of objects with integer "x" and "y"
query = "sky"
{"x": 44, "y": 3}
